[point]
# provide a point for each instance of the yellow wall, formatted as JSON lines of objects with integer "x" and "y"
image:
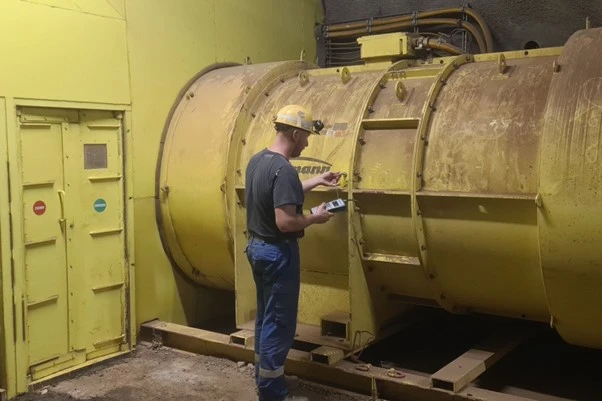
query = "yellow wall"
{"x": 53, "y": 53}
{"x": 169, "y": 42}
{"x": 60, "y": 54}
{"x": 73, "y": 53}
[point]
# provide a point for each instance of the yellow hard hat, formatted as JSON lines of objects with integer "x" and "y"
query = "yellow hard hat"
{"x": 298, "y": 117}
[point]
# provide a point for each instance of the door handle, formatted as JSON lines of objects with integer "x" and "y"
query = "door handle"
{"x": 62, "y": 219}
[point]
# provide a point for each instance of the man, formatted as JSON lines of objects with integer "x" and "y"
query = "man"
{"x": 275, "y": 222}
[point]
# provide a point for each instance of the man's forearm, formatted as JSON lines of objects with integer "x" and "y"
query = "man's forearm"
{"x": 298, "y": 223}
{"x": 301, "y": 222}
{"x": 310, "y": 184}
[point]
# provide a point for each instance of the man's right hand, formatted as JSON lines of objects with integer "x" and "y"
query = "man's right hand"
{"x": 322, "y": 215}
{"x": 288, "y": 220}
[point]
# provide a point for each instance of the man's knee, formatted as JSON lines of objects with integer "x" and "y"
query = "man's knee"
{"x": 285, "y": 310}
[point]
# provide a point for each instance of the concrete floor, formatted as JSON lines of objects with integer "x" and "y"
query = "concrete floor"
{"x": 153, "y": 374}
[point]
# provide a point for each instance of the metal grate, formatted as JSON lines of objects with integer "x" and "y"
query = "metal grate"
{"x": 342, "y": 53}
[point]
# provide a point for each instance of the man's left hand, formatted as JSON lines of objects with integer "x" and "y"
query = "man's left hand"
{"x": 329, "y": 179}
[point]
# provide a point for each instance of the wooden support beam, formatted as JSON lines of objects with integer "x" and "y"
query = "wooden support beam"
{"x": 309, "y": 334}
{"x": 474, "y": 362}
{"x": 327, "y": 355}
{"x": 343, "y": 374}
{"x": 246, "y": 338}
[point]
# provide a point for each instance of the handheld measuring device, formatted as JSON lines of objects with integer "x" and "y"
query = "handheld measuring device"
{"x": 337, "y": 205}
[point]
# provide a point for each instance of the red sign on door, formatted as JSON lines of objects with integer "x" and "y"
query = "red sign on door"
{"x": 39, "y": 208}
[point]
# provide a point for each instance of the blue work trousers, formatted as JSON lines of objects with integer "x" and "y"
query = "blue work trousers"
{"x": 276, "y": 271}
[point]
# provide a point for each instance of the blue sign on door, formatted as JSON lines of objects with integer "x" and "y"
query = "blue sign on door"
{"x": 100, "y": 205}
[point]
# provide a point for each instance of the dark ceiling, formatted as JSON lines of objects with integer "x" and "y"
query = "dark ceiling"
{"x": 513, "y": 23}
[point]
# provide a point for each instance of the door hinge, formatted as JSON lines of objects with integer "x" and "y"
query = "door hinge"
{"x": 14, "y": 321}
{"x": 11, "y": 246}
{"x": 12, "y": 277}
{"x": 23, "y": 323}
{"x": 12, "y": 268}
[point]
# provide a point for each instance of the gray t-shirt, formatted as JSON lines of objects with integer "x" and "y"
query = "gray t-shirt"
{"x": 271, "y": 182}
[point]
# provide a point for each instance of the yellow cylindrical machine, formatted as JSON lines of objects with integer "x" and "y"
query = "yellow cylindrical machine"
{"x": 474, "y": 183}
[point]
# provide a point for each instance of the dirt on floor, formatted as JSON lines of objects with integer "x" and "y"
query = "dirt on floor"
{"x": 167, "y": 374}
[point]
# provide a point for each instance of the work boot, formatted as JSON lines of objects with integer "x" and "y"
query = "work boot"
{"x": 295, "y": 398}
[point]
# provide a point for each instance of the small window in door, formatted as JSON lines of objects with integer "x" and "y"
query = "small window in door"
{"x": 95, "y": 156}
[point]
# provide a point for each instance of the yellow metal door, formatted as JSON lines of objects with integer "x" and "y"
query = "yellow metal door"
{"x": 96, "y": 246}
{"x": 75, "y": 269}
{"x": 45, "y": 304}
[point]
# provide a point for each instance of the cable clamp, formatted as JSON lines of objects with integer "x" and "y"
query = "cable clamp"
{"x": 415, "y": 21}
{"x": 464, "y": 15}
